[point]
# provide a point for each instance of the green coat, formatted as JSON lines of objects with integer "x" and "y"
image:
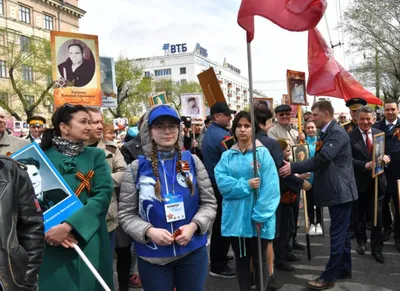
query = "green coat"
{"x": 62, "y": 269}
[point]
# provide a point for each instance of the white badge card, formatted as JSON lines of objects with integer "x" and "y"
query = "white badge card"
{"x": 174, "y": 207}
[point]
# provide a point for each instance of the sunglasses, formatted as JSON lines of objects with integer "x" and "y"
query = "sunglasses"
{"x": 284, "y": 114}
{"x": 66, "y": 105}
{"x": 342, "y": 117}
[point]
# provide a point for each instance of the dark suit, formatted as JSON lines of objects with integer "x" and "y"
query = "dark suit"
{"x": 334, "y": 187}
{"x": 392, "y": 173}
{"x": 51, "y": 198}
{"x": 364, "y": 207}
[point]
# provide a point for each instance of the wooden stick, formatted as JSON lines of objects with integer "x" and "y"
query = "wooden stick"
{"x": 398, "y": 193}
{"x": 91, "y": 267}
{"x": 306, "y": 221}
{"x": 376, "y": 202}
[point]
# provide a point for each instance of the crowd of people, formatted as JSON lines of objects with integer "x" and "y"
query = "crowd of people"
{"x": 153, "y": 202}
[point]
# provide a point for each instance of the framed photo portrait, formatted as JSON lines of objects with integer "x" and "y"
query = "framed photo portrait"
{"x": 120, "y": 123}
{"x": 192, "y": 105}
{"x": 378, "y": 152}
{"x": 158, "y": 99}
{"x": 300, "y": 152}
{"x": 55, "y": 198}
{"x": 296, "y": 84}
{"x": 262, "y": 102}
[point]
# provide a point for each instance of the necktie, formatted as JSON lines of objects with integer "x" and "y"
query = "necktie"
{"x": 368, "y": 142}
{"x": 390, "y": 126}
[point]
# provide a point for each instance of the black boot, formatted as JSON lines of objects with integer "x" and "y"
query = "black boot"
{"x": 273, "y": 284}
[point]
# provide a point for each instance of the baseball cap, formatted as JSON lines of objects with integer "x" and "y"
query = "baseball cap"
{"x": 221, "y": 107}
{"x": 163, "y": 110}
{"x": 283, "y": 108}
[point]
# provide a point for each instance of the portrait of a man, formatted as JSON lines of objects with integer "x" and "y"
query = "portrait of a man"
{"x": 192, "y": 105}
{"x": 79, "y": 65}
{"x": 300, "y": 153}
{"x": 297, "y": 92}
{"x": 193, "y": 108}
{"x": 47, "y": 199}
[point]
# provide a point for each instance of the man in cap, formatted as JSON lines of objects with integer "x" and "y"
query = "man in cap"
{"x": 9, "y": 143}
{"x": 212, "y": 148}
{"x": 283, "y": 130}
{"x": 342, "y": 118}
{"x": 36, "y": 128}
{"x": 353, "y": 104}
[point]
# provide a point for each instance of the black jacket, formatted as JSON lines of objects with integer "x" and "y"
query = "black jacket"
{"x": 364, "y": 180}
{"x": 82, "y": 75}
{"x": 392, "y": 149}
{"x": 290, "y": 182}
{"x": 22, "y": 230}
{"x": 333, "y": 168}
{"x": 132, "y": 149}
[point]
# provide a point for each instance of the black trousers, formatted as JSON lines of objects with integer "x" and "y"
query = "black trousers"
{"x": 387, "y": 219}
{"x": 310, "y": 208}
{"x": 363, "y": 209}
{"x": 285, "y": 228}
{"x": 123, "y": 266}
{"x": 219, "y": 247}
{"x": 244, "y": 250}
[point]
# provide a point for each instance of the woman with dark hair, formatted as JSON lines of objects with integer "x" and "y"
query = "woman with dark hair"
{"x": 86, "y": 171}
{"x": 244, "y": 214}
{"x": 167, "y": 206}
{"x": 76, "y": 68}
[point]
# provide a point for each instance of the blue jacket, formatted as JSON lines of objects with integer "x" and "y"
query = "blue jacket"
{"x": 212, "y": 147}
{"x": 333, "y": 168}
{"x": 311, "y": 145}
{"x": 240, "y": 208}
{"x": 152, "y": 210}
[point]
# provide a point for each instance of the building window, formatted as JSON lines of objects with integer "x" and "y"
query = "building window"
{"x": 147, "y": 74}
{"x": 3, "y": 69}
{"x": 183, "y": 81}
{"x": 1, "y": 7}
{"x": 48, "y": 22}
{"x": 27, "y": 73}
{"x": 183, "y": 70}
{"x": 24, "y": 14}
{"x": 25, "y": 43}
{"x": 29, "y": 99}
{"x": 163, "y": 72}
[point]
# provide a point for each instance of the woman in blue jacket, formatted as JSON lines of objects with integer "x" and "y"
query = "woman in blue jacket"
{"x": 242, "y": 212}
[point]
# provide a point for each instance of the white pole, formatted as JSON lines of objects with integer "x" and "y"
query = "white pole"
{"x": 255, "y": 168}
{"x": 91, "y": 267}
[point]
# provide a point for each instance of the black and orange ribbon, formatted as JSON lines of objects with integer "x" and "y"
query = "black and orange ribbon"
{"x": 85, "y": 182}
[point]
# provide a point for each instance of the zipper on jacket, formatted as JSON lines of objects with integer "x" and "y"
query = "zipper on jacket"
{"x": 172, "y": 227}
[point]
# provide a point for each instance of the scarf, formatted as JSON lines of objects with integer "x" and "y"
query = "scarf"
{"x": 67, "y": 147}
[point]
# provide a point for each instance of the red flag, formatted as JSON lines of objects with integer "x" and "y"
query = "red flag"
{"x": 293, "y": 15}
{"x": 327, "y": 77}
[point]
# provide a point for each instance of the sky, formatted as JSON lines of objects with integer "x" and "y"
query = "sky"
{"x": 137, "y": 28}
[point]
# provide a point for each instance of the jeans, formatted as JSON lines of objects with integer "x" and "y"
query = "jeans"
{"x": 219, "y": 245}
{"x": 112, "y": 235}
{"x": 284, "y": 231}
{"x": 186, "y": 274}
{"x": 244, "y": 250}
{"x": 310, "y": 209}
{"x": 340, "y": 255}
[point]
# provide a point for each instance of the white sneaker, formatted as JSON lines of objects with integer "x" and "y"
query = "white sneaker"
{"x": 318, "y": 230}
{"x": 311, "y": 231}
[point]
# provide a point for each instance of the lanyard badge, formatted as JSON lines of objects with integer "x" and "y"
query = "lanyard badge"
{"x": 174, "y": 207}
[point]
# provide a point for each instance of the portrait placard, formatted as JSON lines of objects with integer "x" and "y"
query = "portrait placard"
{"x": 75, "y": 69}
{"x": 55, "y": 197}
{"x": 378, "y": 152}
{"x": 259, "y": 102}
{"x": 192, "y": 105}
{"x": 300, "y": 152}
{"x": 296, "y": 85}
{"x": 158, "y": 99}
{"x": 120, "y": 123}
{"x": 108, "y": 83}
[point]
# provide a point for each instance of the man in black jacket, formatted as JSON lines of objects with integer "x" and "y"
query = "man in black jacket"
{"x": 336, "y": 187}
{"x": 390, "y": 125}
{"x": 361, "y": 147}
{"x": 22, "y": 229}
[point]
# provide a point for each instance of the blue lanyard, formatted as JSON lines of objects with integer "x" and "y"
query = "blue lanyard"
{"x": 170, "y": 178}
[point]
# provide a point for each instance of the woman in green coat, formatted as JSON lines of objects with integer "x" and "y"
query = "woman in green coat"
{"x": 62, "y": 268}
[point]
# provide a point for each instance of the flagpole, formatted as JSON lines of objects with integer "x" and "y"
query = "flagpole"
{"x": 255, "y": 168}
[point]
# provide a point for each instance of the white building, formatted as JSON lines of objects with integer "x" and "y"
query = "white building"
{"x": 179, "y": 65}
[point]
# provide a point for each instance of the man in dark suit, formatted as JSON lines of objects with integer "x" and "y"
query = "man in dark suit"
{"x": 336, "y": 188}
{"x": 361, "y": 146}
{"x": 390, "y": 125}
